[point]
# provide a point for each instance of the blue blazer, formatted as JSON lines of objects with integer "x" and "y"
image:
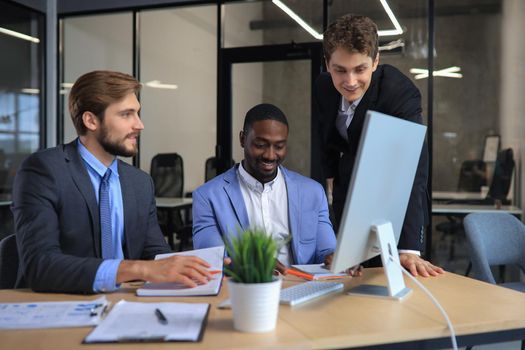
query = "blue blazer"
{"x": 218, "y": 210}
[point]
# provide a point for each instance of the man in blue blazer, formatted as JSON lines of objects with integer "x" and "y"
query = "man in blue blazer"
{"x": 85, "y": 221}
{"x": 259, "y": 192}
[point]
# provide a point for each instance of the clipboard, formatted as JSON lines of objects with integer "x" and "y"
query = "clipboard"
{"x": 138, "y": 322}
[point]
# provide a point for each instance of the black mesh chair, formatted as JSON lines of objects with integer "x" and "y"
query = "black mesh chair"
{"x": 167, "y": 171}
{"x": 8, "y": 262}
{"x": 210, "y": 169}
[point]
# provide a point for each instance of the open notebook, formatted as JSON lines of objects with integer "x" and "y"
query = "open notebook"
{"x": 214, "y": 256}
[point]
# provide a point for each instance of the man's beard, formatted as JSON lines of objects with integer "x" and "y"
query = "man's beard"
{"x": 114, "y": 147}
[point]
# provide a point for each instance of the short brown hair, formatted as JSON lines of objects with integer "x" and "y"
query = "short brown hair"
{"x": 353, "y": 33}
{"x": 95, "y": 91}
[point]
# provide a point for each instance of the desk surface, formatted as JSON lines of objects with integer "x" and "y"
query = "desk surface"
{"x": 464, "y": 209}
{"x": 173, "y": 202}
{"x": 477, "y": 310}
{"x": 451, "y": 195}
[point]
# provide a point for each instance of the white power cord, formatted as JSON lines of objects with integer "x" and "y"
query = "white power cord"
{"x": 440, "y": 308}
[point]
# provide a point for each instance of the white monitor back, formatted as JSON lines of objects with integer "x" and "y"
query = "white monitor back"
{"x": 380, "y": 187}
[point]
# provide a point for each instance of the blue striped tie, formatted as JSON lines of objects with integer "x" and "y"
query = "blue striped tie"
{"x": 105, "y": 217}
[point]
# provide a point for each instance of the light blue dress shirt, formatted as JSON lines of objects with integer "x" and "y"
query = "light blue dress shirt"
{"x": 106, "y": 277}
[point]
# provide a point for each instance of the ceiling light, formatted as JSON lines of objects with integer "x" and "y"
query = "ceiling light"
{"x": 298, "y": 19}
{"x": 392, "y": 45}
{"x": 19, "y": 35}
{"x": 159, "y": 85}
{"x": 30, "y": 91}
{"x": 398, "y": 30}
{"x": 450, "y": 72}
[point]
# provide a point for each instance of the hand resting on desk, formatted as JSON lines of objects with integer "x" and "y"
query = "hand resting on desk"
{"x": 419, "y": 266}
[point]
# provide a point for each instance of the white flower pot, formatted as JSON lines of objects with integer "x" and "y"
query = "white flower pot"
{"x": 255, "y": 305}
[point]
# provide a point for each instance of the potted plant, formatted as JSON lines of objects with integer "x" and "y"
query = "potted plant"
{"x": 254, "y": 290}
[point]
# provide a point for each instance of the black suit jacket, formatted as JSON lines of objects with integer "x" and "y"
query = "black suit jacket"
{"x": 57, "y": 220}
{"x": 392, "y": 93}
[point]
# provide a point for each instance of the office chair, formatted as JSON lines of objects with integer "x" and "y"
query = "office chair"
{"x": 210, "y": 169}
{"x": 495, "y": 239}
{"x": 502, "y": 178}
{"x": 8, "y": 262}
{"x": 167, "y": 172}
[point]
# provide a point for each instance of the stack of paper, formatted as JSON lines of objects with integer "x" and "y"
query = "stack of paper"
{"x": 132, "y": 321}
{"x": 214, "y": 256}
{"x": 79, "y": 313}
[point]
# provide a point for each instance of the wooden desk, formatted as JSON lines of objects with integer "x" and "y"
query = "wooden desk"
{"x": 172, "y": 205}
{"x": 451, "y": 195}
{"x": 480, "y": 312}
{"x": 464, "y": 209}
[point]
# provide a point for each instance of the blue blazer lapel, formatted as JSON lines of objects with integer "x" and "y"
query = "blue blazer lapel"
{"x": 233, "y": 190}
{"x": 82, "y": 181}
{"x": 294, "y": 205}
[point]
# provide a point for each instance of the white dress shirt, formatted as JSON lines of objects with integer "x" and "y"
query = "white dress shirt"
{"x": 267, "y": 207}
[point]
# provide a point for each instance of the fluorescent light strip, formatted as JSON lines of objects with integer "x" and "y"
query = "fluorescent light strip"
{"x": 159, "y": 85}
{"x": 450, "y": 72}
{"x": 19, "y": 35}
{"x": 392, "y": 45}
{"x": 298, "y": 19}
{"x": 398, "y": 30}
{"x": 30, "y": 91}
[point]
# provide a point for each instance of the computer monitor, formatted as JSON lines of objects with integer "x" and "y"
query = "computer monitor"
{"x": 377, "y": 198}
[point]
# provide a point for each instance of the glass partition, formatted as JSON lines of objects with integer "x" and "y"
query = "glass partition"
{"x": 21, "y": 92}
{"x": 179, "y": 73}
{"x": 93, "y": 43}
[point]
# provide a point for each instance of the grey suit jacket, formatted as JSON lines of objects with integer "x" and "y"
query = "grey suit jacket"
{"x": 57, "y": 220}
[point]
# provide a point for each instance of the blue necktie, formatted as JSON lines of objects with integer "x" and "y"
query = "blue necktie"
{"x": 105, "y": 217}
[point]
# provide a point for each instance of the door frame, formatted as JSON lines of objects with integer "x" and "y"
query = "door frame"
{"x": 266, "y": 53}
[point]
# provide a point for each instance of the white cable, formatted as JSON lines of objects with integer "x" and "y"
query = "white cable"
{"x": 440, "y": 308}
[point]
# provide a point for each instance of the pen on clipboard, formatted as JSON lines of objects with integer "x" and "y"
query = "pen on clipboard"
{"x": 160, "y": 317}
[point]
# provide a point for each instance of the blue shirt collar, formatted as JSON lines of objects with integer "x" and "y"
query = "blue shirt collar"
{"x": 94, "y": 163}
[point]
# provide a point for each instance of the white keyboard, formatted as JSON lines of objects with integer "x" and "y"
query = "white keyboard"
{"x": 307, "y": 291}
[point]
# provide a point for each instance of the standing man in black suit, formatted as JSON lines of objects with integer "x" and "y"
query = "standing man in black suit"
{"x": 355, "y": 83}
{"x": 85, "y": 221}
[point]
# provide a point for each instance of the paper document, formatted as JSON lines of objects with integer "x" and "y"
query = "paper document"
{"x": 79, "y": 313}
{"x": 214, "y": 256}
{"x": 133, "y": 321}
{"x": 314, "y": 272}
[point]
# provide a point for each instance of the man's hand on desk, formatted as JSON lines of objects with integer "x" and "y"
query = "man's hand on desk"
{"x": 355, "y": 271}
{"x": 188, "y": 270}
{"x": 419, "y": 266}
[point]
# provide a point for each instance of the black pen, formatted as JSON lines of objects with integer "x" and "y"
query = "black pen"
{"x": 160, "y": 316}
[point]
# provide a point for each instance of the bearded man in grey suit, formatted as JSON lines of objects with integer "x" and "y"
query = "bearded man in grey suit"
{"x": 85, "y": 221}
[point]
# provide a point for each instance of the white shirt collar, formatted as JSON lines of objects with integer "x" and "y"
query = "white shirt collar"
{"x": 254, "y": 184}
{"x": 345, "y": 105}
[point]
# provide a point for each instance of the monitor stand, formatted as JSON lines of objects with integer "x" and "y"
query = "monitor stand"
{"x": 396, "y": 285}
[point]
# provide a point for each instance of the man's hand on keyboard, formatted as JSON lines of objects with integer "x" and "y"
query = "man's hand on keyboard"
{"x": 355, "y": 271}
